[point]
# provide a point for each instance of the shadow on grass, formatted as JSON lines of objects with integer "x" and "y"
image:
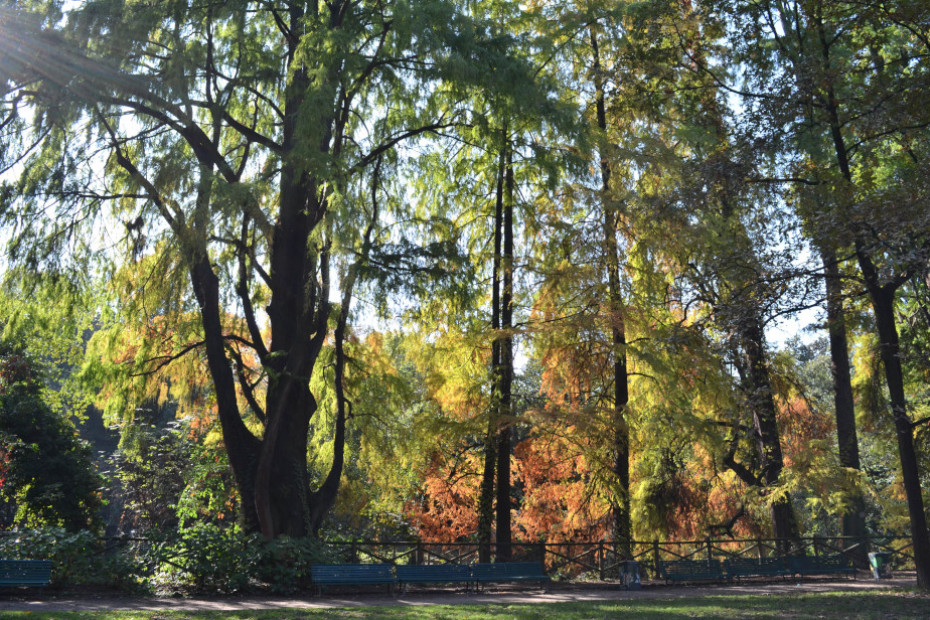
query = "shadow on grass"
{"x": 834, "y": 605}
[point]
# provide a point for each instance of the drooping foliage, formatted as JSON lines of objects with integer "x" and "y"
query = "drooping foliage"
{"x": 489, "y": 272}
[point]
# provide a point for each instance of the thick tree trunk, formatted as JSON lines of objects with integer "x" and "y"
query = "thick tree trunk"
{"x": 622, "y": 524}
{"x": 299, "y": 317}
{"x": 847, "y": 440}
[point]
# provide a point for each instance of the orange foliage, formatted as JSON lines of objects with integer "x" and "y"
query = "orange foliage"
{"x": 447, "y": 508}
{"x": 799, "y": 426}
{"x": 557, "y": 504}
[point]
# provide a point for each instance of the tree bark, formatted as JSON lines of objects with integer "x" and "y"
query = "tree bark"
{"x": 486, "y": 497}
{"x": 765, "y": 425}
{"x": 847, "y": 440}
{"x": 505, "y": 419}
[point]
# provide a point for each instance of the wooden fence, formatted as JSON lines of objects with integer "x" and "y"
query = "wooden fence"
{"x": 601, "y": 559}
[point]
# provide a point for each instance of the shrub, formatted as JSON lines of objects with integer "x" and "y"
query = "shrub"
{"x": 47, "y": 471}
{"x": 77, "y": 557}
{"x": 206, "y": 557}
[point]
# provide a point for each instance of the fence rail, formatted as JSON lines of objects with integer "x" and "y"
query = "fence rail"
{"x": 602, "y": 559}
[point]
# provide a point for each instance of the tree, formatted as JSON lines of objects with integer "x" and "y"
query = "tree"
{"x": 46, "y": 470}
{"x": 231, "y": 136}
{"x": 845, "y": 78}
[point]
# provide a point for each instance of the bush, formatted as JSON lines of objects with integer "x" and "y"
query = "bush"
{"x": 46, "y": 471}
{"x": 77, "y": 557}
{"x": 203, "y": 558}
{"x": 284, "y": 565}
{"x": 208, "y": 558}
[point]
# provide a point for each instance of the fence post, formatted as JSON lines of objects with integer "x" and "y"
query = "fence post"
{"x": 655, "y": 557}
{"x": 710, "y": 555}
{"x": 759, "y": 549}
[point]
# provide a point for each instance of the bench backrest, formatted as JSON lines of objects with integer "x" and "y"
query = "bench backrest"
{"x": 691, "y": 567}
{"x": 25, "y": 572}
{"x": 755, "y": 562}
{"x": 452, "y": 572}
{"x": 803, "y": 563}
{"x": 504, "y": 570}
{"x": 352, "y": 573}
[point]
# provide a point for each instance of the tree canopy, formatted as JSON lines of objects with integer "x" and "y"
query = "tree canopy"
{"x": 451, "y": 269}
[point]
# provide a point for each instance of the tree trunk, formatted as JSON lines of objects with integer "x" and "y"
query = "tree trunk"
{"x": 883, "y": 300}
{"x": 847, "y": 441}
{"x": 765, "y": 426}
{"x": 486, "y": 498}
{"x": 242, "y": 446}
{"x": 505, "y": 418}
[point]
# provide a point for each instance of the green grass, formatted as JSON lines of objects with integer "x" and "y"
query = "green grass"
{"x": 826, "y": 605}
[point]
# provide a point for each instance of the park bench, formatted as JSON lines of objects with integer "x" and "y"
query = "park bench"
{"x": 16, "y": 573}
{"x": 505, "y": 572}
{"x": 324, "y": 575}
{"x": 691, "y": 570}
{"x": 755, "y": 567}
{"x": 433, "y": 573}
{"x": 837, "y": 564}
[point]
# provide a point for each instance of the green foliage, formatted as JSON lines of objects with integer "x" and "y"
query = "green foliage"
{"x": 169, "y": 477}
{"x": 208, "y": 558}
{"x": 77, "y": 557}
{"x": 203, "y": 558}
{"x": 46, "y": 472}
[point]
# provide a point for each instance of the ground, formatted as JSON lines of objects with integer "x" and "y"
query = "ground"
{"x": 51, "y": 601}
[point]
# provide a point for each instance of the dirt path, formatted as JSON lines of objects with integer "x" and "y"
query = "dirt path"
{"x": 51, "y": 601}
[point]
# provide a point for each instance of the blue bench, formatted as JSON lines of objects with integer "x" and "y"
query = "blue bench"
{"x": 352, "y": 575}
{"x": 18, "y": 573}
{"x": 755, "y": 567}
{"x": 433, "y": 573}
{"x": 691, "y": 570}
{"x": 506, "y": 572}
{"x": 837, "y": 564}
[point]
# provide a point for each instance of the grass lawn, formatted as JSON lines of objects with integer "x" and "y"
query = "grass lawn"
{"x": 885, "y": 604}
